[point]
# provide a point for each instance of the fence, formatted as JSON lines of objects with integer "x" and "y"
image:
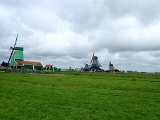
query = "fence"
{"x": 27, "y": 71}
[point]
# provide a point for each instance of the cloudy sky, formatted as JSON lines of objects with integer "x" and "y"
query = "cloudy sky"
{"x": 65, "y": 33}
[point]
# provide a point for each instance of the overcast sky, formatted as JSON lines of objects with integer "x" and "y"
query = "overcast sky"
{"x": 65, "y": 33}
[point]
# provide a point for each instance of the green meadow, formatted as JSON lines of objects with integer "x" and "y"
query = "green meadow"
{"x": 80, "y": 96}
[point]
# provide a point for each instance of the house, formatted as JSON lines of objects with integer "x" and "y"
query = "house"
{"x": 48, "y": 67}
{"x": 21, "y": 64}
{"x": 51, "y": 67}
{"x": 4, "y": 64}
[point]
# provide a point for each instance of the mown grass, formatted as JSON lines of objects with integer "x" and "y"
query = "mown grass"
{"x": 78, "y": 95}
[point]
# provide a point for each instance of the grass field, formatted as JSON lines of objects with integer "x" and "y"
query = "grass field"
{"x": 80, "y": 96}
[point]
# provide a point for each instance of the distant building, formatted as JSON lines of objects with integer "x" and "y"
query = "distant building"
{"x": 49, "y": 67}
{"x": 4, "y": 64}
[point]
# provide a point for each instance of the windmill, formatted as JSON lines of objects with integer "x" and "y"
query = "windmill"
{"x": 94, "y": 64}
{"x": 94, "y": 61}
{"x": 111, "y": 67}
{"x": 17, "y": 53}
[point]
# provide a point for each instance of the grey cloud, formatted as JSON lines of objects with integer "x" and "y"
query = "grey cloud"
{"x": 83, "y": 15}
{"x": 145, "y": 10}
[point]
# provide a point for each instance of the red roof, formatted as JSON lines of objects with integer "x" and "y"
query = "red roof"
{"x": 48, "y": 65}
{"x": 21, "y": 63}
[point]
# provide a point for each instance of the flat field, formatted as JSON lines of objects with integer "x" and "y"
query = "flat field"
{"x": 80, "y": 96}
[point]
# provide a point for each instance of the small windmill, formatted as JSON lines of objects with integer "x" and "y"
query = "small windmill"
{"x": 94, "y": 64}
{"x": 17, "y": 53}
{"x": 94, "y": 61}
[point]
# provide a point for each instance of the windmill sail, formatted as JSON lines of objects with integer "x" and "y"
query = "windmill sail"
{"x": 13, "y": 48}
{"x": 10, "y": 56}
{"x": 15, "y": 41}
{"x": 92, "y": 58}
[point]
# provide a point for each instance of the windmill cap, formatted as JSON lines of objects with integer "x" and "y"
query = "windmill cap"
{"x": 18, "y": 48}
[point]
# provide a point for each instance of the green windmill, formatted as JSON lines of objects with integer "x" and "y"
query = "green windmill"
{"x": 16, "y": 54}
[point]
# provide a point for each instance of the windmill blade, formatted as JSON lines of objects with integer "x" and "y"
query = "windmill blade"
{"x": 10, "y": 56}
{"x": 13, "y": 48}
{"x": 15, "y": 41}
{"x": 99, "y": 64}
{"x": 92, "y": 57}
{"x": 93, "y": 53}
{"x": 91, "y": 60}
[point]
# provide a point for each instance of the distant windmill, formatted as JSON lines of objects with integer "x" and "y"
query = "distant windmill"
{"x": 17, "y": 53}
{"x": 94, "y": 64}
{"x": 94, "y": 60}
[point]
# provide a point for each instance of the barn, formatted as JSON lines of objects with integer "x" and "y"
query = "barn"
{"x": 21, "y": 64}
